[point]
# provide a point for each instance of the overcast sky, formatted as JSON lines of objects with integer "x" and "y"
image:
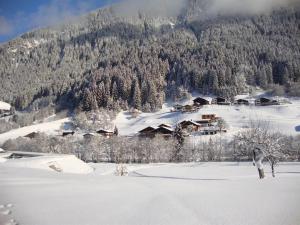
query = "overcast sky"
{"x": 20, "y": 16}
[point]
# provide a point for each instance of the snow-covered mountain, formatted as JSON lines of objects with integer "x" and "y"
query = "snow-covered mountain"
{"x": 141, "y": 53}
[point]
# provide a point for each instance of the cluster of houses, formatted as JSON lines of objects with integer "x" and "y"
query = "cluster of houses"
{"x": 207, "y": 125}
{"x": 201, "y": 101}
{"x": 66, "y": 133}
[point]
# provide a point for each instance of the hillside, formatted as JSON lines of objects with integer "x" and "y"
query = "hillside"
{"x": 113, "y": 58}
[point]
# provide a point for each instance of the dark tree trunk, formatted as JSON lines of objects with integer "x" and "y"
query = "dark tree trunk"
{"x": 261, "y": 173}
{"x": 273, "y": 170}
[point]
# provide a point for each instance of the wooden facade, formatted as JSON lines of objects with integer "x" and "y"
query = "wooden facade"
{"x": 211, "y": 117}
{"x": 105, "y": 133}
{"x": 68, "y": 133}
{"x": 242, "y": 102}
{"x": 220, "y": 101}
{"x": 201, "y": 101}
{"x": 190, "y": 124}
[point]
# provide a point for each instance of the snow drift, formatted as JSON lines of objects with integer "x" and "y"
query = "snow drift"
{"x": 58, "y": 163}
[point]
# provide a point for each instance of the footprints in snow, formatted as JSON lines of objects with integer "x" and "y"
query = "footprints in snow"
{"x": 5, "y": 212}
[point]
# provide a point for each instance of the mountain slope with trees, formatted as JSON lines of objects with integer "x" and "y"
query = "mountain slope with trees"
{"x": 112, "y": 61}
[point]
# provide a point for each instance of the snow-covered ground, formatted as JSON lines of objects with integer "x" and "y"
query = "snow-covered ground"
{"x": 283, "y": 118}
{"x": 154, "y": 194}
{"x": 4, "y": 106}
{"x": 49, "y": 127}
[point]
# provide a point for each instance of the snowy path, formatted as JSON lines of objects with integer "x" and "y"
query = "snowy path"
{"x": 195, "y": 193}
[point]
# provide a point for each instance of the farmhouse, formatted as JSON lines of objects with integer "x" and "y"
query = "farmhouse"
{"x": 220, "y": 101}
{"x": 89, "y": 136}
{"x": 189, "y": 124}
{"x": 31, "y": 135}
{"x": 189, "y": 108}
{"x": 242, "y": 102}
{"x": 266, "y": 101}
{"x": 178, "y": 107}
{"x": 164, "y": 131}
{"x": 201, "y": 101}
{"x": 165, "y": 125}
{"x": 105, "y": 133}
{"x": 68, "y": 133}
{"x": 211, "y": 117}
{"x": 209, "y": 132}
{"x": 147, "y": 132}
{"x": 204, "y": 122}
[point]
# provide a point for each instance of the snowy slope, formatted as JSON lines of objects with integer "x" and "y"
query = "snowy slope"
{"x": 4, "y": 106}
{"x": 189, "y": 194}
{"x": 283, "y": 118}
{"x": 49, "y": 127}
{"x": 59, "y": 163}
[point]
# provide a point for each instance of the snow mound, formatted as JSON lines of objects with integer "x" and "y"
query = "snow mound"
{"x": 58, "y": 163}
{"x": 4, "y": 106}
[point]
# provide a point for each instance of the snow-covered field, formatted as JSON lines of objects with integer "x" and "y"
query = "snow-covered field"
{"x": 4, "y": 106}
{"x": 49, "y": 127}
{"x": 160, "y": 194}
{"x": 283, "y": 118}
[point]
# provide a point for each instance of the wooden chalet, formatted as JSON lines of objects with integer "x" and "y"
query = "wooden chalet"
{"x": 201, "y": 101}
{"x": 186, "y": 124}
{"x": 105, "y": 133}
{"x": 165, "y": 125}
{"x": 147, "y": 132}
{"x": 164, "y": 131}
{"x": 189, "y": 108}
{"x": 31, "y": 135}
{"x": 220, "y": 101}
{"x": 266, "y": 101}
{"x": 178, "y": 107}
{"x": 89, "y": 136}
{"x": 209, "y": 132}
{"x": 204, "y": 122}
{"x": 242, "y": 102}
{"x": 68, "y": 133}
{"x": 211, "y": 117}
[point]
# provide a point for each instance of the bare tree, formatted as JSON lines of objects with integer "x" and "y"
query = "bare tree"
{"x": 260, "y": 142}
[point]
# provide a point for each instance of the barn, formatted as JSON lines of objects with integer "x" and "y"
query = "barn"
{"x": 201, "y": 101}
{"x": 190, "y": 124}
{"x": 242, "y": 102}
{"x": 105, "y": 133}
{"x": 220, "y": 101}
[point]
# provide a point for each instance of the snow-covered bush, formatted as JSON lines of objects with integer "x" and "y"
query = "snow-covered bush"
{"x": 121, "y": 170}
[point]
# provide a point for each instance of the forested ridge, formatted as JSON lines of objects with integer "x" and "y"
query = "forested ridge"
{"x": 105, "y": 60}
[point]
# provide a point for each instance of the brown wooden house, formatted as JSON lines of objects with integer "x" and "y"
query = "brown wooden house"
{"x": 68, "y": 133}
{"x": 211, "y": 117}
{"x": 164, "y": 131}
{"x": 186, "y": 124}
{"x": 105, "y": 133}
{"x": 31, "y": 135}
{"x": 165, "y": 125}
{"x": 201, "y": 101}
{"x": 220, "y": 101}
{"x": 242, "y": 102}
{"x": 147, "y": 132}
{"x": 266, "y": 101}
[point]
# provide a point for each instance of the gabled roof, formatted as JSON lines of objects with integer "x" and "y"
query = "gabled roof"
{"x": 165, "y": 125}
{"x": 163, "y": 130}
{"x": 148, "y": 129}
{"x": 190, "y": 122}
{"x": 102, "y": 131}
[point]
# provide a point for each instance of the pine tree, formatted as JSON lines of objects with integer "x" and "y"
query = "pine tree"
{"x": 136, "y": 96}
